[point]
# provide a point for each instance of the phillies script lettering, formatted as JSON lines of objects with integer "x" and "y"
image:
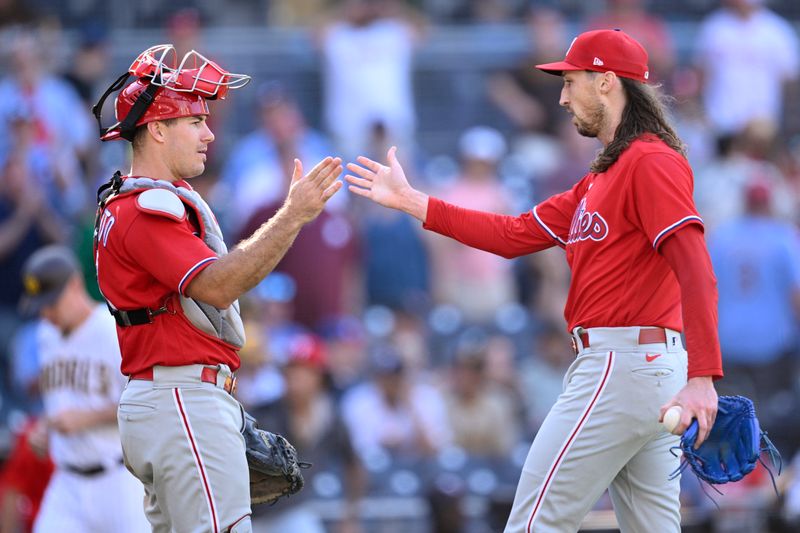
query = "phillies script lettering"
{"x": 587, "y": 225}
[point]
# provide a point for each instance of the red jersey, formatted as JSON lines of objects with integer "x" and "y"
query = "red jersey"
{"x": 27, "y": 474}
{"x": 146, "y": 259}
{"x": 611, "y": 225}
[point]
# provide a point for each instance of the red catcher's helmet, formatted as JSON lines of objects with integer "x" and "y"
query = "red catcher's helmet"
{"x": 166, "y": 104}
{"x": 163, "y": 90}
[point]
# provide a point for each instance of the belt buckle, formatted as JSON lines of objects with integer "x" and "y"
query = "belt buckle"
{"x": 230, "y": 385}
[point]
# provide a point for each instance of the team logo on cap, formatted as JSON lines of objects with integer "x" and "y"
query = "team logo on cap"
{"x": 32, "y": 285}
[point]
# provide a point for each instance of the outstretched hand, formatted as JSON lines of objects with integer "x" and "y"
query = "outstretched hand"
{"x": 308, "y": 194}
{"x": 386, "y": 185}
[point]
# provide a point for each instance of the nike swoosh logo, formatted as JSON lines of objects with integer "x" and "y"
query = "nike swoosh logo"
{"x": 651, "y": 357}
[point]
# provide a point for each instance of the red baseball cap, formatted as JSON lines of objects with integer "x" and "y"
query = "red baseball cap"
{"x": 604, "y": 51}
{"x": 307, "y": 349}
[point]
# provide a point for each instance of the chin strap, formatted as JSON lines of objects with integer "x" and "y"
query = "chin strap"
{"x": 97, "y": 109}
{"x": 127, "y": 126}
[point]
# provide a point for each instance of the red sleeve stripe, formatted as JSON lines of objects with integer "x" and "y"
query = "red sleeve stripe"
{"x": 191, "y": 271}
{"x": 546, "y": 229}
{"x": 666, "y": 231}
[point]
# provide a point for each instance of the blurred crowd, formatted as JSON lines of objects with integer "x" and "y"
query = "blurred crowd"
{"x": 411, "y": 370}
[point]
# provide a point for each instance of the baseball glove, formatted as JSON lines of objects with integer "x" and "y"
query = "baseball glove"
{"x": 733, "y": 447}
{"x": 274, "y": 468}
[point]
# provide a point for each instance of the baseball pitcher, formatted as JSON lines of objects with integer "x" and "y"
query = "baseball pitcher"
{"x": 641, "y": 275}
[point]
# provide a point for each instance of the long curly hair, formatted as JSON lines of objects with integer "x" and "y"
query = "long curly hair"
{"x": 645, "y": 112}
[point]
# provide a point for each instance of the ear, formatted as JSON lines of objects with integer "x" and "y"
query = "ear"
{"x": 606, "y": 81}
{"x": 156, "y": 129}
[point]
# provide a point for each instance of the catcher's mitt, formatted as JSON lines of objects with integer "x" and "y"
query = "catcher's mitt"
{"x": 733, "y": 447}
{"x": 274, "y": 469}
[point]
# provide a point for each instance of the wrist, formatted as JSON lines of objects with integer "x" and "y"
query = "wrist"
{"x": 415, "y": 203}
{"x": 291, "y": 216}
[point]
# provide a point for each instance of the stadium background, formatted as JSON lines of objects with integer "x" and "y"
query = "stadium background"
{"x": 456, "y": 329}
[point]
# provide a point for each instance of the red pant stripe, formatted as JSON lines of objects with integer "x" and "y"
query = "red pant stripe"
{"x": 198, "y": 461}
{"x": 582, "y": 422}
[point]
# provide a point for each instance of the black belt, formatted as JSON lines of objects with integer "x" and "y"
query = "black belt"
{"x": 89, "y": 471}
{"x": 135, "y": 317}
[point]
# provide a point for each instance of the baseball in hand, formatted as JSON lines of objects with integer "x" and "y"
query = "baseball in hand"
{"x": 671, "y": 418}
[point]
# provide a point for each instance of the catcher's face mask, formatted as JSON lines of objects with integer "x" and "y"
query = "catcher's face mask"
{"x": 164, "y": 89}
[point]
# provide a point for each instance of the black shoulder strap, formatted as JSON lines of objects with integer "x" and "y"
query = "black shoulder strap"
{"x": 114, "y": 184}
{"x": 106, "y": 191}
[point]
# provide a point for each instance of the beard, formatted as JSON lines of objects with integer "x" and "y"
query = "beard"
{"x": 592, "y": 122}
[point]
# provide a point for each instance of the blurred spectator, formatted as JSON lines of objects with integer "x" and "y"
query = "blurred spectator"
{"x": 89, "y": 65}
{"x": 543, "y": 281}
{"x": 25, "y": 225}
{"x": 390, "y": 412}
{"x": 23, "y": 480}
{"x": 756, "y": 258}
{"x": 323, "y": 262}
{"x": 24, "y": 365}
{"x": 691, "y": 121}
{"x": 296, "y": 13}
{"x": 409, "y": 336}
{"x": 720, "y": 185}
{"x": 394, "y": 255}
{"x": 790, "y": 481}
{"x": 16, "y": 12}
{"x": 184, "y": 30}
{"x": 267, "y": 314}
{"x": 747, "y": 54}
{"x": 483, "y": 417}
{"x": 87, "y": 73}
{"x": 485, "y": 11}
{"x": 258, "y": 174}
{"x": 475, "y": 281}
{"x": 501, "y": 370}
{"x": 346, "y": 341}
{"x": 542, "y": 372}
{"x": 62, "y": 128}
{"x": 258, "y": 170}
{"x": 308, "y": 417}
{"x": 80, "y": 383}
{"x": 394, "y": 259}
{"x": 523, "y": 96}
{"x": 651, "y": 31}
{"x": 367, "y": 51}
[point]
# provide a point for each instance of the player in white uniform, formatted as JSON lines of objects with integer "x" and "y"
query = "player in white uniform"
{"x": 90, "y": 491}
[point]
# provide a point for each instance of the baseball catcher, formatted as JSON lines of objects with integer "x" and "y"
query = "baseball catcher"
{"x": 173, "y": 288}
{"x": 733, "y": 447}
{"x": 274, "y": 468}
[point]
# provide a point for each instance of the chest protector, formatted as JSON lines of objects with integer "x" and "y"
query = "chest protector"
{"x": 225, "y": 324}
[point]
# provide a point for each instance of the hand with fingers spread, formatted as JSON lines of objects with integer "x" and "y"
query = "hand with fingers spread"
{"x": 308, "y": 194}
{"x": 387, "y": 185}
{"x": 697, "y": 399}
